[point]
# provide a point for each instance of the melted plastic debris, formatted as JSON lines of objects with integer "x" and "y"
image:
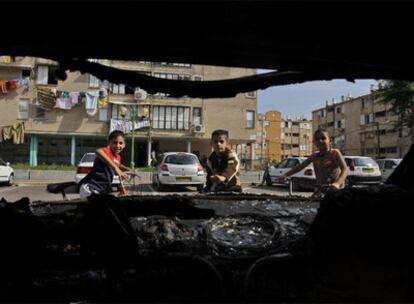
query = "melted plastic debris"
{"x": 161, "y": 232}
{"x": 49, "y": 209}
{"x": 241, "y": 235}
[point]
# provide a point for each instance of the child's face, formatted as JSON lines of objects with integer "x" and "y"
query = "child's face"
{"x": 117, "y": 144}
{"x": 322, "y": 141}
{"x": 219, "y": 143}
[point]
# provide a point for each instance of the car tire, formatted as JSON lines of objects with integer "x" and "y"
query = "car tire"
{"x": 268, "y": 181}
{"x": 10, "y": 181}
{"x": 348, "y": 183}
{"x": 160, "y": 187}
{"x": 295, "y": 185}
{"x": 200, "y": 188}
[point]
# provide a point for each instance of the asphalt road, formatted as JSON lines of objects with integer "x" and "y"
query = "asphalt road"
{"x": 37, "y": 191}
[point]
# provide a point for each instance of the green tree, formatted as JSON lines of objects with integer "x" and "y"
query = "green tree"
{"x": 400, "y": 95}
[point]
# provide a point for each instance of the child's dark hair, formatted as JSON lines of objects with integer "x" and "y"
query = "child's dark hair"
{"x": 320, "y": 131}
{"x": 115, "y": 134}
{"x": 220, "y": 132}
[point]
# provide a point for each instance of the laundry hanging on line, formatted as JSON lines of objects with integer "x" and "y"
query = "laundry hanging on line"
{"x": 14, "y": 132}
{"x": 126, "y": 125}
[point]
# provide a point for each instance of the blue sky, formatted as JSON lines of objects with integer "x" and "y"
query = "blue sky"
{"x": 301, "y": 99}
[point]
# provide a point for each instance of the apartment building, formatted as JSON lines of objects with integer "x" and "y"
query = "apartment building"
{"x": 62, "y": 133}
{"x": 296, "y": 137}
{"x": 363, "y": 126}
{"x": 273, "y": 121}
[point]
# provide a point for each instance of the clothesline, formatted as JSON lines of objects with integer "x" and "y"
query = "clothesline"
{"x": 49, "y": 99}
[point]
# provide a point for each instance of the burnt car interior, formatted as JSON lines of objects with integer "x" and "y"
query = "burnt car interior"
{"x": 352, "y": 246}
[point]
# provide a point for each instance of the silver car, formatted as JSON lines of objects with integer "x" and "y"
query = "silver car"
{"x": 387, "y": 166}
{"x": 178, "y": 169}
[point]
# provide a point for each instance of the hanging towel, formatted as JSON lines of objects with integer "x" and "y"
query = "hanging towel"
{"x": 17, "y": 133}
{"x": 46, "y": 98}
{"x": 3, "y": 86}
{"x": 12, "y": 84}
{"x": 64, "y": 103}
{"x": 91, "y": 104}
{"x": 91, "y": 100}
{"x": 7, "y": 133}
{"x": 103, "y": 98}
{"x": 6, "y": 59}
{"x": 74, "y": 97}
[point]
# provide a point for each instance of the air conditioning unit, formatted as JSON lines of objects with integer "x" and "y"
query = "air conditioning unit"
{"x": 140, "y": 95}
{"x": 199, "y": 129}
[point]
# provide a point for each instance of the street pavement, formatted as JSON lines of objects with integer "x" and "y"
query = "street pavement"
{"x": 36, "y": 191}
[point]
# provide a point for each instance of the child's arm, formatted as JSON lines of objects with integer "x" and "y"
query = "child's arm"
{"x": 125, "y": 168}
{"x": 233, "y": 165}
{"x": 102, "y": 155}
{"x": 344, "y": 170}
{"x": 295, "y": 169}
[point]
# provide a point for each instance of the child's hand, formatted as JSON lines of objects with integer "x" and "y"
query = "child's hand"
{"x": 122, "y": 175}
{"x": 218, "y": 179}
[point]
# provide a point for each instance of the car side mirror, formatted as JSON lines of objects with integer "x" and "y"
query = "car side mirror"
{"x": 7, "y": 164}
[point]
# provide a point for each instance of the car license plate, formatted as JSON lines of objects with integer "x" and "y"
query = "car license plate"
{"x": 368, "y": 170}
{"x": 183, "y": 179}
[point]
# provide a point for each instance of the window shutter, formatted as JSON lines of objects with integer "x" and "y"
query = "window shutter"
{"x": 362, "y": 122}
{"x": 42, "y": 74}
{"x": 23, "y": 109}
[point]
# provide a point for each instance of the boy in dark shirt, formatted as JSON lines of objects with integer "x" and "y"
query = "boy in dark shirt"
{"x": 106, "y": 164}
{"x": 222, "y": 165}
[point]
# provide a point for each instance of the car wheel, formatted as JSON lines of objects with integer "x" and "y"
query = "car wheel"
{"x": 295, "y": 185}
{"x": 160, "y": 187}
{"x": 268, "y": 181}
{"x": 10, "y": 181}
{"x": 200, "y": 188}
{"x": 348, "y": 183}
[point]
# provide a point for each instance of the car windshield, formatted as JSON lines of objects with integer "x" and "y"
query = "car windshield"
{"x": 181, "y": 159}
{"x": 88, "y": 158}
{"x": 364, "y": 162}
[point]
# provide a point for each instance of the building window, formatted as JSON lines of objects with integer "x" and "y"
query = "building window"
{"x": 250, "y": 119}
{"x": 338, "y": 110}
{"x": 40, "y": 113}
{"x": 339, "y": 124}
{"x": 197, "y": 117}
{"x": 93, "y": 81}
{"x": 42, "y": 74}
{"x": 23, "y": 109}
{"x": 366, "y": 119}
{"x": 380, "y": 114}
{"x": 46, "y": 74}
{"x": 174, "y": 118}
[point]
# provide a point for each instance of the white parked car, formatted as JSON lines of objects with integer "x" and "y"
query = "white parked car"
{"x": 363, "y": 170}
{"x": 178, "y": 169}
{"x": 387, "y": 166}
{"x": 303, "y": 179}
{"x": 85, "y": 166}
{"x": 6, "y": 173}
